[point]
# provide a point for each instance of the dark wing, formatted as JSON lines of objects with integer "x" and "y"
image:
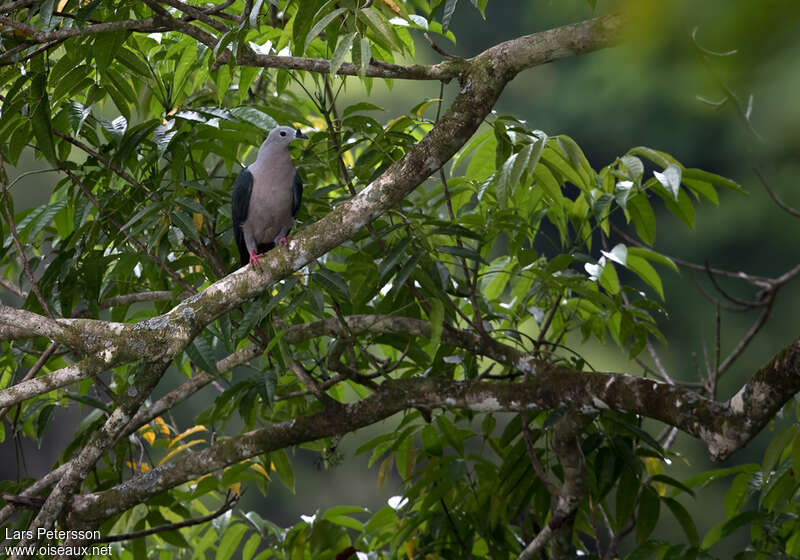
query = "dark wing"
{"x": 240, "y": 203}
{"x": 297, "y": 194}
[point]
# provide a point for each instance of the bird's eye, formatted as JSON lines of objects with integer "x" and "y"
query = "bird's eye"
{"x": 283, "y": 133}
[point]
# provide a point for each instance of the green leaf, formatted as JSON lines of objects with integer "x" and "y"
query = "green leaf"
{"x": 547, "y": 181}
{"x": 634, "y": 166}
{"x": 202, "y": 355}
{"x": 648, "y": 512}
{"x": 383, "y": 32}
{"x": 317, "y": 28}
{"x": 727, "y": 527}
{"x": 738, "y": 493}
{"x": 252, "y": 543}
{"x": 609, "y": 279}
{"x": 557, "y": 161}
{"x": 231, "y": 538}
{"x": 283, "y": 467}
{"x": 302, "y": 22}
{"x": 332, "y": 283}
{"x": 40, "y": 110}
{"x": 465, "y": 252}
{"x": 643, "y": 218}
{"x": 670, "y": 179}
{"x": 627, "y": 491}
{"x": 431, "y": 441}
{"x": 254, "y": 116}
{"x": 776, "y": 448}
{"x": 646, "y": 272}
{"x": 366, "y": 55}
{"x": 106, "y": 46}
{"x": 651, "y": 255}
{"x": 436, "y": 317}
{"x": 714, "y": 179}
{"x": 447, "y": 14}
{"x": 685, "y": 519}
{"x": 185, "y": 63}
{"x": 342, "y": 49}
{"x": 254, "y": 13}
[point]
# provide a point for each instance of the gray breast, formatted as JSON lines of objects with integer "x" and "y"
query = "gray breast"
{"x": 270, "y": 213}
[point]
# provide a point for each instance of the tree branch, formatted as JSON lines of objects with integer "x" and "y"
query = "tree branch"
{"x": 724, "y": 427}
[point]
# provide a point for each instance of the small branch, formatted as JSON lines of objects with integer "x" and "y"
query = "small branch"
{"x": 195, "y": 13}
{"x": 33, "y": 371}
{"x": 20, "y": 251}
{"x": 230, "y": 502}
{"x": 138, "y": 297}
{"x": 305, "y": 378}
{"x": 662, "y": 371}
{"x": 30, "y": 388}
{"x": 775, "y": 198}
{"x": 13, "y": 288}
{"x": 437, "y": 48}
{"x": 534, "y": 459}
{"x": 106, "y": 162}
{"x": 573, "y": 489}
{"x": 466, "y": 551}
{"x": 138, "y": 244}
{"x": 747, "y": 338}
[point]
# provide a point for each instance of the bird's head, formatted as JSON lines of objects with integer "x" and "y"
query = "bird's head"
{"x": 283, "y": 136}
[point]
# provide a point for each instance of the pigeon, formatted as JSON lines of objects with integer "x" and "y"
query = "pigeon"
{"x": 266, "y": 197}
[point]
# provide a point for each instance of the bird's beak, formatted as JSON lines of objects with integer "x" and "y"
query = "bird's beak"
{"x": 299, "y": 134}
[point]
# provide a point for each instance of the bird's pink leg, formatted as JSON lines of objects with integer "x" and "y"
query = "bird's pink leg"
{"x": 254, "y": 259}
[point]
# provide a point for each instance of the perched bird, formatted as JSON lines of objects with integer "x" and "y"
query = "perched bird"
{"x": 266, "y": 197}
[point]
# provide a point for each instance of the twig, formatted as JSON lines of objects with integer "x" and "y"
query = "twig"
{"x": 775, "y": 198}
{"x": 139, "y": 245}
{"x": 546, "y": 326}
{"x": 454, "y": 527}
{"x": 437, "y": 48}
{"x": 13, "y": 228}
{"x": 534, "y": 459}
{"x": 303, "y": 375}
{"x": 13, "y": 288}
{"x": 33, "y": 371}
{"x": 230, "y": 502}
{"x": 657, "y": 361}
{"x": 748, "y": 337}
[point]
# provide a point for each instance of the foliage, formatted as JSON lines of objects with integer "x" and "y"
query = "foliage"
{"x": 519, "y": 238}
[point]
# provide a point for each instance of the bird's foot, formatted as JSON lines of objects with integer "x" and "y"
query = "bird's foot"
{"x": 254, "y": 260}
{"x": 283, "y": 240}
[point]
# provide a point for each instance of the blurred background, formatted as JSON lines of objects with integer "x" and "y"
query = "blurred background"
{"x": 644, "y": 92}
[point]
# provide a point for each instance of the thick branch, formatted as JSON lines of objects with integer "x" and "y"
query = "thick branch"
{"x": 98, "y": 445}
{"x": 724, "y": 427}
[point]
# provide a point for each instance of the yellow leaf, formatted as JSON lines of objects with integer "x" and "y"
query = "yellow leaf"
{"x": 654, "y": 467}
{"x": 198, "y": 221}
{"x": 410, "y": 550}
{"x": 190, "y": 431}
{"x": 148, "y": 433}
{"x": 236, "y": 488}
{"x": 260, "y": 470}
{"x": 348, "y": 158}
{"x": 392, "y": 6}
{"x": 385, "y": 470}
{"x": 318, "y": 123}
{"x": 162, "y": 426}
{"x": 178, "y": 449}
{"x": 138, "y": 467}
{"x": 61, "y": 4}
